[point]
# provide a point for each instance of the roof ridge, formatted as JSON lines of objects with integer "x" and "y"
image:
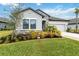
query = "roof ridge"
{"x": 32, "y": 10}
{"x": 43, "y": 12}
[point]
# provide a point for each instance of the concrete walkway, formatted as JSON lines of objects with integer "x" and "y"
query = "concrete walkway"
{"x": 73, "y": 36}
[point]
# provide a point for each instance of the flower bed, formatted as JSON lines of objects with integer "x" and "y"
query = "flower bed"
{"x": 29, "y": 36}
{"x": 50, "y": 32}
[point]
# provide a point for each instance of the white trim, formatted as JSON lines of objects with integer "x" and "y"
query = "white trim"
{"x": 29, "y": 18}
{"x": 29, "y": 29}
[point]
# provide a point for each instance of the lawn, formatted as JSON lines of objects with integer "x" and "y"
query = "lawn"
{"x": 42, "y": 47}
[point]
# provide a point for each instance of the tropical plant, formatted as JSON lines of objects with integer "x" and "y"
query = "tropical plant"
{"x": 76, "y": 13}
{"x": 50, "y": 28}
{"x": 68, "y": 29}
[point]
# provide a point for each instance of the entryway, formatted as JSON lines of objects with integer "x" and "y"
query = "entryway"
{"x": 43, "y": 25}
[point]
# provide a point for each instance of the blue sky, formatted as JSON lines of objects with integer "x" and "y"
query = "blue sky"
{"x": 60, "y": 10}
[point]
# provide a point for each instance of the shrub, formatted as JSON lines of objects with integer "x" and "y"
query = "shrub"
{"x": 33, "y": 35}
{"x": 21, "y": 37}
{"x": 53, "y": 32}
{"x": 51, "y": 28}
{"x": 28, "y": 36}
{"x": 2, "y": 40}
{"x": 57, "y": 34}
{"x": 50, "y": 34}
{"x": 72, "y": 30}
{"x": 68, "y": 29}
{"x": 8, "y": 39}
{"x": 43, "y": 34}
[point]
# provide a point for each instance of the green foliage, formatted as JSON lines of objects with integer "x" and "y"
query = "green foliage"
{"x": 43, "y": 34}
{"x": 68, "y": 29}
{"x": 51, "y": 28}
{"x": 33, "y": 34}
{"x": 53, "y": 31}
{"x": 72, "y": 30}
{"x": 12, "y": 37}
{"x": 76, "y": 11}
{"x": 50, "y": 35}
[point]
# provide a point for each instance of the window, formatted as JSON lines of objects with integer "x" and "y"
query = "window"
{"x": 32, "y": 24}
{"x": 26, "y": 24}
{"x": 29, "y": 24}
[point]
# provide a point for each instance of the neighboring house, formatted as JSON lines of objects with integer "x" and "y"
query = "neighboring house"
{"x": 72, "y": 23}
{"x": 3, "y": 23}
{"x": 37, "y": 20}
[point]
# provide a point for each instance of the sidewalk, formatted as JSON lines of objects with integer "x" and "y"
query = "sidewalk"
{"x": 73, "y": 36}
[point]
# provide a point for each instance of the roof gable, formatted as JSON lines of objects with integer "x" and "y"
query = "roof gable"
{"x": 32, "y": 10}
{"x": 42, "y": 12}
{"x": 50, "y": 17}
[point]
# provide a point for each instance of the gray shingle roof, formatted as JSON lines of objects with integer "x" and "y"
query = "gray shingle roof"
{"x": 42, "y": 14}
{"x": 73, "y": 21}
{"x": 57, "y": 19}
{"x": 3, "y": 20}
{"x": 32, "y": 10}
{"x": 50, "y": 17}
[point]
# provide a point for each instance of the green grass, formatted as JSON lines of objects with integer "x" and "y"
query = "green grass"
{"x": 5, "y": 33}
{"x": 43, "y": 47}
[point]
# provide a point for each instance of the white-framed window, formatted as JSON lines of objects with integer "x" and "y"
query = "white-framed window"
{"x": 29, "y": 23}
{"x": 25, "y": 23}
{"x": 32, "y": 24}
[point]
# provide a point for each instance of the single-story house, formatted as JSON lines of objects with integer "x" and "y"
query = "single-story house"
{"x": 31, "y": 19}
{"x": 72, "y": 23}
{"x": 3, "y": 23}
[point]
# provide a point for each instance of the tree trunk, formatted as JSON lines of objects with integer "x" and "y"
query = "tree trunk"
{"x": 76, "y": 22}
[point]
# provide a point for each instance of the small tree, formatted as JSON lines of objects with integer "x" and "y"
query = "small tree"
{"x": 76, "y": 13}
{"x": 14, "y": 15}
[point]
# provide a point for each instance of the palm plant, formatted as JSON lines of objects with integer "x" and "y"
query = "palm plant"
{"x": 76, "y": 13}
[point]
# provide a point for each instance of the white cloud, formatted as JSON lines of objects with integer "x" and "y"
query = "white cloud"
{"x": 61, "y": 12}
{"x": 68, "y": 17}
{"x": 3, "y": 3}
{"x": 38, "y": 4}
{"x": 10, "y": 4}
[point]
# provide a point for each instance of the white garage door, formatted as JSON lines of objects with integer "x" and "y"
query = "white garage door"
{"x": 61, "y": 27}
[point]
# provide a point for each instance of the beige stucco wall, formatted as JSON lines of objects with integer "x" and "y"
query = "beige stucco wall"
{"x": 29, "y": 14}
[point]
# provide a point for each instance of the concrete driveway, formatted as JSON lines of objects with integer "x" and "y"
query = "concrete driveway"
{"x": 73, "y": 36}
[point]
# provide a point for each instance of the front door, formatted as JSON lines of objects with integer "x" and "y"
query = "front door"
{"x": 43, "y": 25}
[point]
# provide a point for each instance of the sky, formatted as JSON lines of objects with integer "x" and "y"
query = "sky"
{"x": 59, "y": 10}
